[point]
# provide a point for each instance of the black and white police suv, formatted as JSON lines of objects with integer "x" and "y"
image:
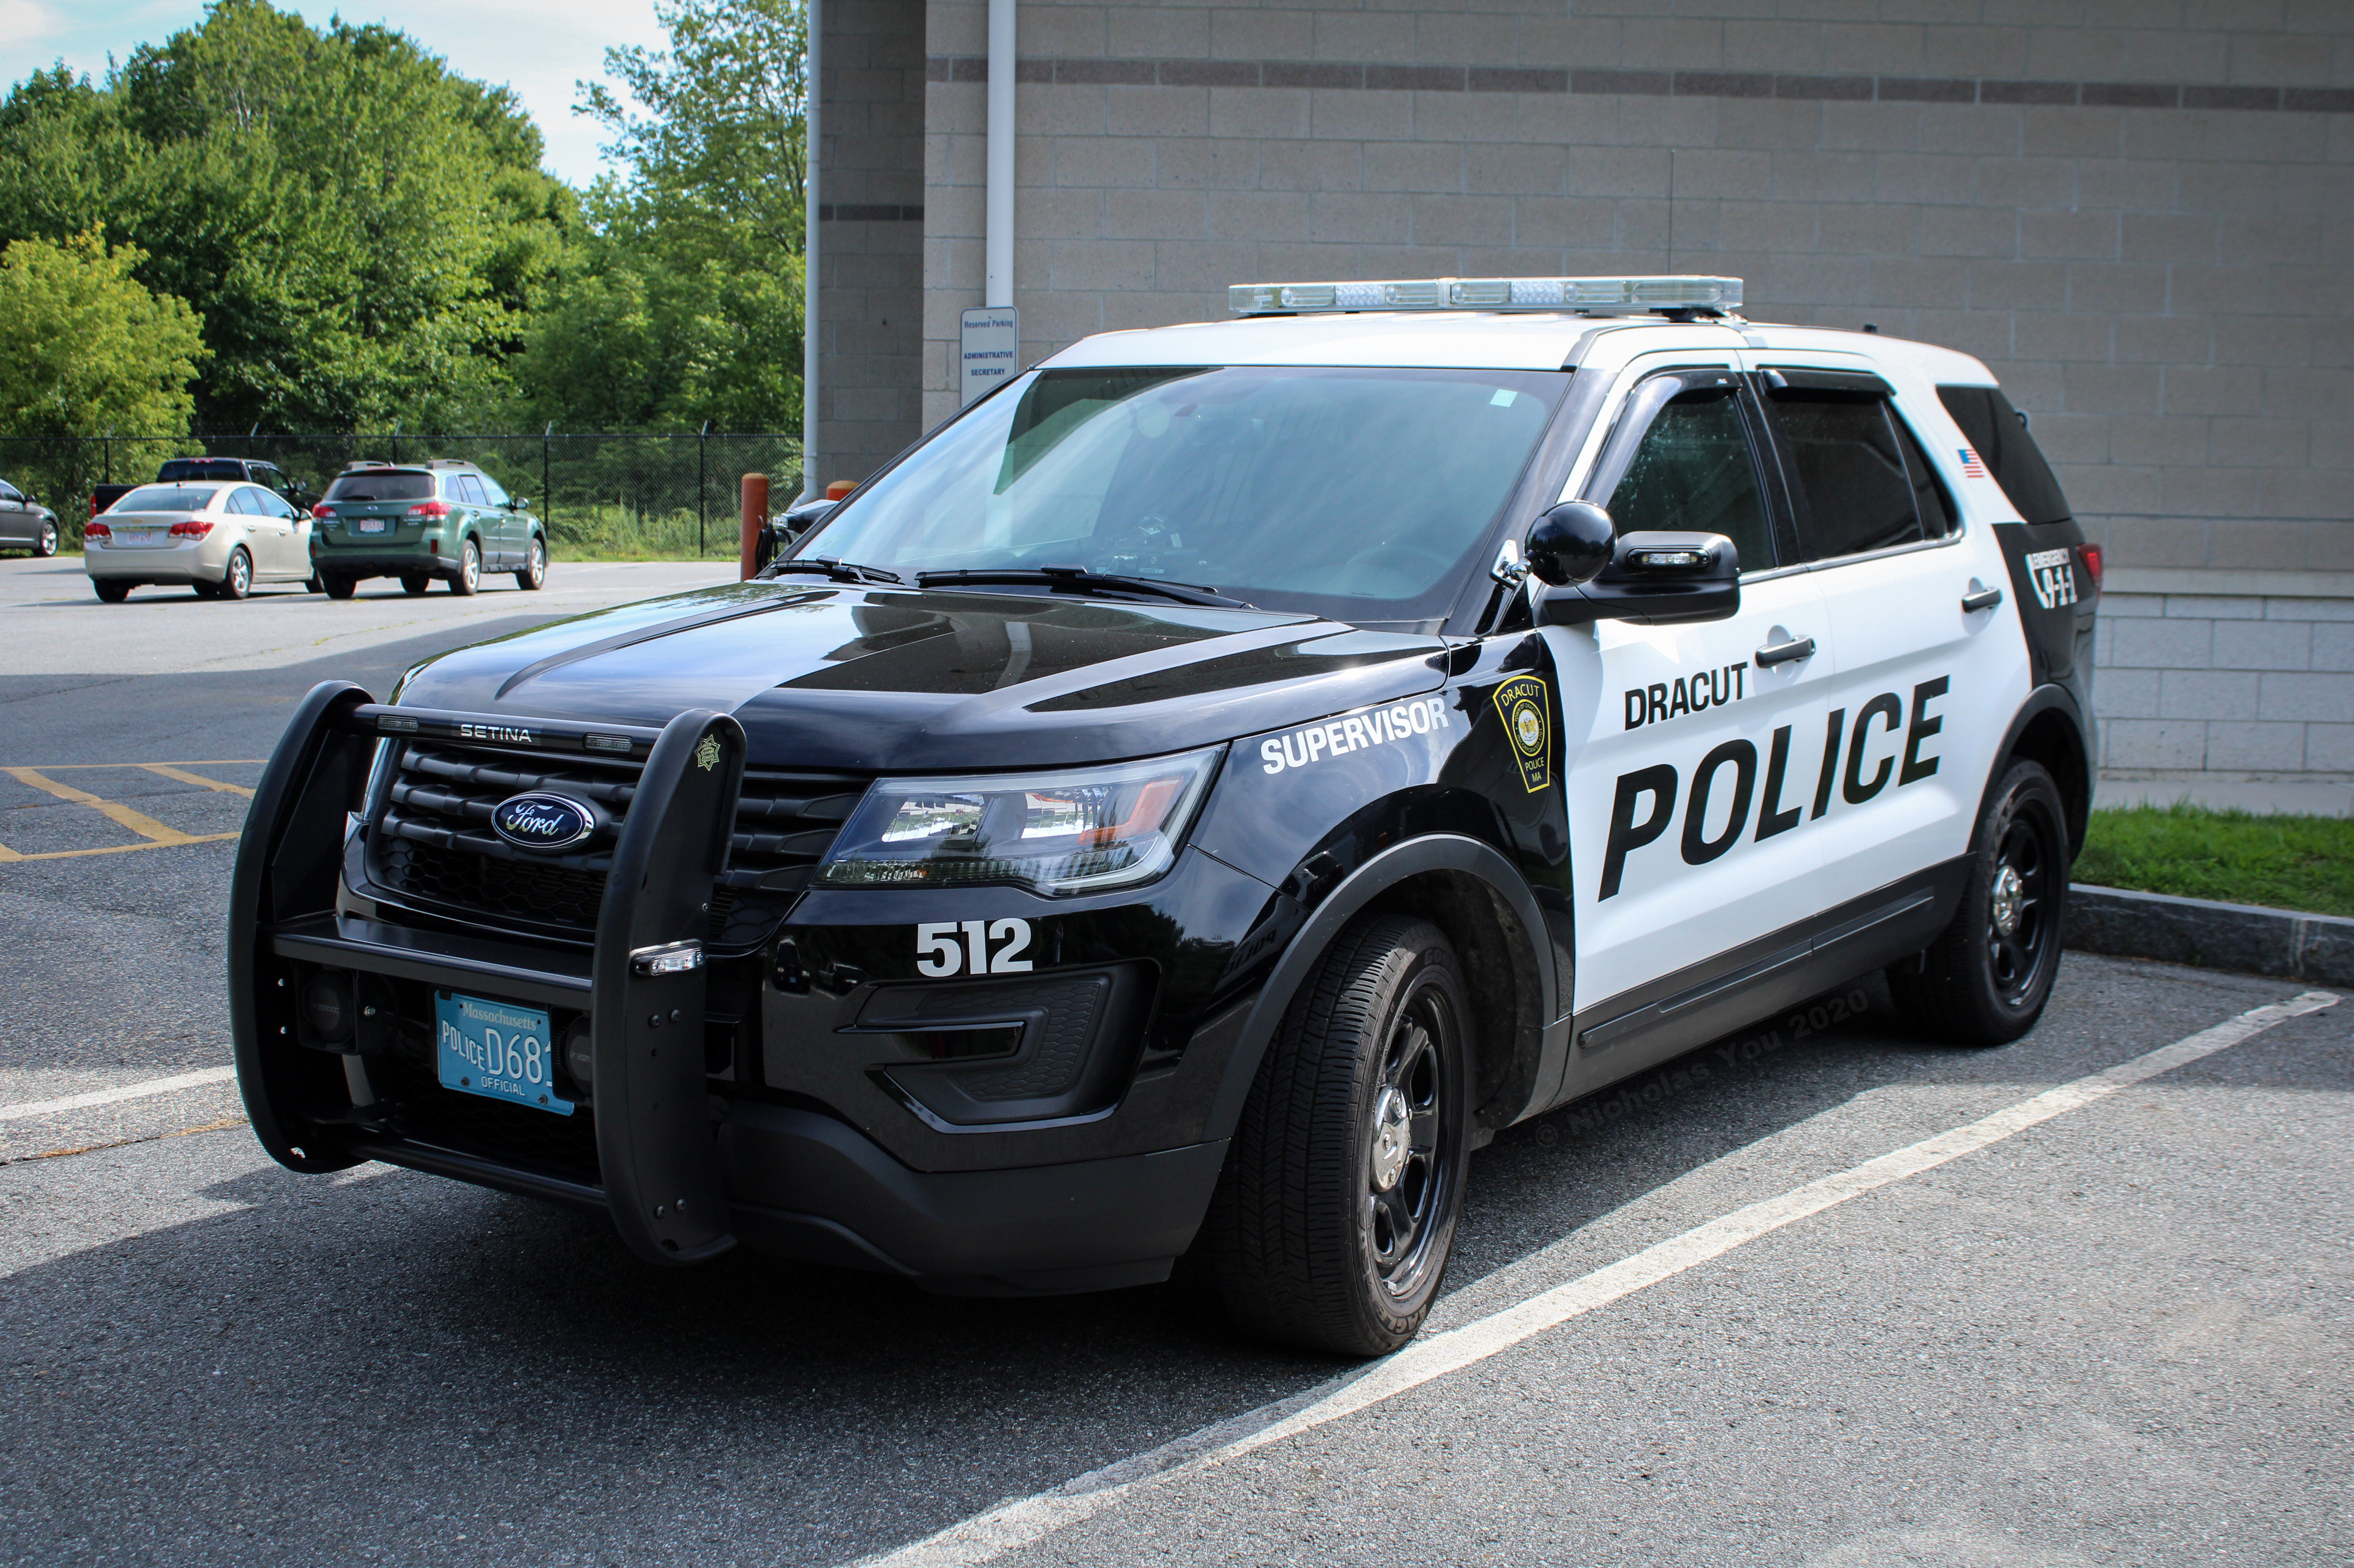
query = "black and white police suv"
{"x": 1200, "y": 793}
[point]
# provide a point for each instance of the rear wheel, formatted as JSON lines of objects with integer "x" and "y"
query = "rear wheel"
{"x": 414, "y": 585}
{"x": 470, "y": 569}
{"x": 1985, "y": 979}
{"x": 1336, "y": 1210}
{"x": 535, "y": 564}
{"x": 45, "y": 542}
{"x": 111, "y": 591}
{"x": 237, "y": 579}
{"x": 317, "y": 585}
{"x": 340, "y": 587}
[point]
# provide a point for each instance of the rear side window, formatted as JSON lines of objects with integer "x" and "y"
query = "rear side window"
{"x": 382, "y": 485}
{"x": 470, "y": 490}
{"x": 240, "y": 502}
{"x": 1850, "y": 468}
{"x": 1939, "y": 517}
{"x": 1999, "y": 437}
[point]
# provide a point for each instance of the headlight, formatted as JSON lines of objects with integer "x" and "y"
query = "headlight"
{"x": 1082, "y": 830}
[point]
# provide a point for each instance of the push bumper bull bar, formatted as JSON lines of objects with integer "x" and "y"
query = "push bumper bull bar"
{"x": 657, "y": 1147}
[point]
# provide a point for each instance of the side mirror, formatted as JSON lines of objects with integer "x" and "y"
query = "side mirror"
{"x": 518, "y": 503}
{"x": 1570, "y": 544}
{"x": 1655, "y": 579}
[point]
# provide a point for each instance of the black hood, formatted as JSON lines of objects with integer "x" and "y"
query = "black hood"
{"x": 891, "y": 680}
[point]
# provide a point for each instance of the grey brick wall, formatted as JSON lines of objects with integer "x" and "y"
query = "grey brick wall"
{"x": 870, "y": 257}
{"x": 2225, "y": 684}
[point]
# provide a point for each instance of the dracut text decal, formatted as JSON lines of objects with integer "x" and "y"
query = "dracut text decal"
{"x": 1399, "y": 721}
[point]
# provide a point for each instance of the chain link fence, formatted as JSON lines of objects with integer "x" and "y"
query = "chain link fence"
{"x": 601, "y": 495}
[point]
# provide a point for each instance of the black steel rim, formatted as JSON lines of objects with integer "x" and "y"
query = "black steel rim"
{"x": 2019, "y": 905}
{"x": 1408, "y": 1188}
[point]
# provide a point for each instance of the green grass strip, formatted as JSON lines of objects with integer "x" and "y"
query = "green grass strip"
{"x": 2304, "y": 863}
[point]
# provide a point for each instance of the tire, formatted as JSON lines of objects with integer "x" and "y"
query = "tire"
{"x": 413, "y": 586}
{"x": 1366, "y": 1081}
{"x": 237, "y": 578}
{"x": 46, "y": 543}
{"x": 340, "y": 587}
{"x": 316, "y": 584}
{"x": 1985, "y": 979}
{"x": 533, "y": 575}
{"x": 111, "y": 591}
{"x": 469, "y": 570}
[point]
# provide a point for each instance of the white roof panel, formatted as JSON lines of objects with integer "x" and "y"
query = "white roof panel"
{"x": 1453, "y": 339}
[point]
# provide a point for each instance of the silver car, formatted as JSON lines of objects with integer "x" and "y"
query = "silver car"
{"x": 25, "y": 523}
{"x": 219, "y": 539}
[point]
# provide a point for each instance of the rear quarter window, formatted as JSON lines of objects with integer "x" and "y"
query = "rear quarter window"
{"x": 1999, "y": 437}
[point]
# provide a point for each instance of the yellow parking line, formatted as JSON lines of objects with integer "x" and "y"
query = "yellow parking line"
{"x": 139, "y": 823}
{"x": 201, "y": 762}
{"x": 8, "y": 855}
{"x": 171, "y": 770}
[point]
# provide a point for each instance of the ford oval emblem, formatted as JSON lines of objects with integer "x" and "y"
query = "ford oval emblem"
{"x": 538, "y": 820}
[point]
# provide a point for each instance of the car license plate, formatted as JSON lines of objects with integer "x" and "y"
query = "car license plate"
{"x": 496, "y": 1049}
{"x": 371, "y": 525}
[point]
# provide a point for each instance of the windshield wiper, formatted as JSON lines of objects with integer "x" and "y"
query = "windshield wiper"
{"x": 1078, "y": 580}
{"x": 840, "y": 570}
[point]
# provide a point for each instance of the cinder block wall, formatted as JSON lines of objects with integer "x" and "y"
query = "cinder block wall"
{"x": 2140, "y": 212}
{"x": 870, "y": 255}
{"x": 2237, "y": 684}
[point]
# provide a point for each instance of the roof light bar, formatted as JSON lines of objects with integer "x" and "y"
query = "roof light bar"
{"x": 1682, "y": 292}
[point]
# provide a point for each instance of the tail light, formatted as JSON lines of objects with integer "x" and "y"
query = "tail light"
{"x": 2091, "y": 556}
{"x": 429, "y": 509}
{"x": 97, "y": 531}
{"x": 323, "y": 510}
{"x": 194, "y": 528}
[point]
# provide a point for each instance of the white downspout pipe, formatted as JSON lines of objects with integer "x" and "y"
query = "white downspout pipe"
{"x": 998, "y": 245}
{"x": 812, "y": 486}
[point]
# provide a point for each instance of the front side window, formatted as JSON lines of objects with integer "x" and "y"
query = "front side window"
{"x": 1694, "y": 472}
{"x": 1856, "y": 493}
{"x": 1362, "y": 494}
{"x": 9, "y": 492}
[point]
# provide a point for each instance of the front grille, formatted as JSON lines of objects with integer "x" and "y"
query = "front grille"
{"x": 431, "y": 843}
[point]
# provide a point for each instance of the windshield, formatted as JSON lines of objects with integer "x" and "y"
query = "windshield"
{"x": 166, "y": 498}
{"x": 382, "y": 485}
{"x": 1360, "y": 494}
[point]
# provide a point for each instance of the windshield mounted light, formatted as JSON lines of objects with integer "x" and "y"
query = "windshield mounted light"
{"x": 1059, "y": 834}
{"x": 1681, "y": 291}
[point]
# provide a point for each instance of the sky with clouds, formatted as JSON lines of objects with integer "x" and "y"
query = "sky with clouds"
{"x": 539, "y": 47}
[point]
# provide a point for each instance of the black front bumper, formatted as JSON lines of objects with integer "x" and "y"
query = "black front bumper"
{"x": 683, "y": 1170}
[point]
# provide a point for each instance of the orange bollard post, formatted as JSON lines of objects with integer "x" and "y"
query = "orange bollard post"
{"x": 756, "y": 517}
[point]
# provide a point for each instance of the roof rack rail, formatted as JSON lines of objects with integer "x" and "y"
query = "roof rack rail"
{"x": 1680, "y": 292}
{"x": 448, "y": 462}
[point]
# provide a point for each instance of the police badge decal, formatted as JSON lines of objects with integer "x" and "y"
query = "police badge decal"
{"x": 1521, "y": 703}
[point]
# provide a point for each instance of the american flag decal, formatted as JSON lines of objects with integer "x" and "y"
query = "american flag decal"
{"x": 1971, "y": 467}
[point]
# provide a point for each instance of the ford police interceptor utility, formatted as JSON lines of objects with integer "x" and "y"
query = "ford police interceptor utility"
{"x": 1200, "y": 793}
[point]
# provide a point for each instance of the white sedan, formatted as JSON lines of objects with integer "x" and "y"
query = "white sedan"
{"x": 219, "y": 539}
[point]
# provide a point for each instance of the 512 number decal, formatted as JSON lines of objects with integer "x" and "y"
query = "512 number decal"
{"x": 939, "y": 953}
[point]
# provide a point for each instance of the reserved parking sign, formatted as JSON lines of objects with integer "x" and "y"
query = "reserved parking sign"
{"x": 989, "y": 350}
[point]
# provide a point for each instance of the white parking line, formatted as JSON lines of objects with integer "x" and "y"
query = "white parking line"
{"x": 138, "y": 1091}
{"x": 1012, "y": 1525}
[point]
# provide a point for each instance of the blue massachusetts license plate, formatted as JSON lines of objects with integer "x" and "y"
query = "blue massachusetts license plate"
{"x": 497, "y": 1049}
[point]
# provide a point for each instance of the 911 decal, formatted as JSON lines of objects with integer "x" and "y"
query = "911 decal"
{"x": 2053, "y": 574}
{"x": 1378, "y": 726}
{"x": 1729, "y": 772}
{"x": 939, "y": 954}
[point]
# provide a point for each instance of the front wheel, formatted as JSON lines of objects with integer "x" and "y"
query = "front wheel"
{"x": 237, "y": 579}
{"x": 1985, "y": 979}
{"x": 47, "y": 544}
{"x": 535, "y": 566}
{"x": 1336, "y": 1210}
{"x": 470, "y": 569}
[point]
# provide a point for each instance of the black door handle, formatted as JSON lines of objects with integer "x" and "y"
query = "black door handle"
{"x": 1782, "y": 653}
{"x": 1984, "y": 598}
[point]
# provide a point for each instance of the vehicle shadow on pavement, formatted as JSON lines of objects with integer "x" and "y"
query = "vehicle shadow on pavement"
{"x": 391, "y": 1359}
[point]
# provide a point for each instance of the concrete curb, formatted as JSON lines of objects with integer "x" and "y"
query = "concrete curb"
{"x": 2242, "y": 936}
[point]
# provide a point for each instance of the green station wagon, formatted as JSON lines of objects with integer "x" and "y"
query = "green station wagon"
{"x": 441, "y": 519}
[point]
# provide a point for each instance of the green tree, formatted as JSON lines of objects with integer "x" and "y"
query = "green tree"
{"x": 682, "y": 301}
{"x": 84, "y": 348}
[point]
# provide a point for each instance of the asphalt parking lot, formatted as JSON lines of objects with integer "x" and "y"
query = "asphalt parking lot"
{"x": 2116, "y": 1335}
